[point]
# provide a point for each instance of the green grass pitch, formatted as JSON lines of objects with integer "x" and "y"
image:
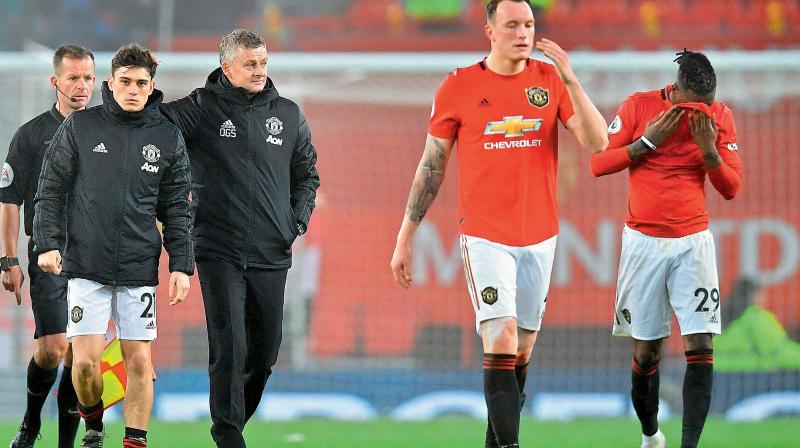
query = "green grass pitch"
{"x": 455, "y": 432}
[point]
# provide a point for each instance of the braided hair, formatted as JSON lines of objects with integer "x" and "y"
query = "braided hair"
{"x": 695, "y": 73}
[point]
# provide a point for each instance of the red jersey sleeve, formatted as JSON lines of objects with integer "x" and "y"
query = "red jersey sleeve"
{"x": 620, "y": 135}
{"x": 727, "y": 177}
{"x": 622, "y": 127}
{"x": 565, "y": 109}
{"x": 445, "y": 119}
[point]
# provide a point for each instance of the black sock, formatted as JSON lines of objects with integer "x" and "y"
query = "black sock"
{"x": 696, "y": 394}
{"x": 39, "y": 383}
{"x": 521, "y": 373}
{"x": 68, "y": 417}
{"x": 134, "y": 438}
{"x": 491, "y": 439}
{"x": 502, "y": 397}
{"x": 644, "y": 395}
{"x": 92, "y": 415}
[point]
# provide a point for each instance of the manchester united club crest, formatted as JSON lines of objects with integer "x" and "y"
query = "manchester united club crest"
{"x": 537, "y": 96}
{"x": 274, "y": 125}
{"x": 151, "y": 153}
{"x": 76, "y": 314}
{"x": 489, "y": 295}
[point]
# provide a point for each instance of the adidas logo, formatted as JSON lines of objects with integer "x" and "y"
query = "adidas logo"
{"x": 713, "y": 319}
{"x": 100, "y": 148}
{"x": 484, "y": 103}
{"x": 227, "y": 129}
{"x": 151, "y": 326}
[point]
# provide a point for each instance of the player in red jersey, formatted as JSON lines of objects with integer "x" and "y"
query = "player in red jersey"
{"x": 670, "y": 140}
{"x": 503, "y": 111}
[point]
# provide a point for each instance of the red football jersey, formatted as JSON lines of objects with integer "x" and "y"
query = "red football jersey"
{"x": 667, "y": 194}
{"x": 507, "y": 142}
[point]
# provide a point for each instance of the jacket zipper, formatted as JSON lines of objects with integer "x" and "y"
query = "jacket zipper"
{"x": 251, "y": 185}
{"x": 125, "y": 170}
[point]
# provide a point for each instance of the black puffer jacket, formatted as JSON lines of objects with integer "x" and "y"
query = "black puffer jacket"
{"x": 254, "y": 172}
{"x": 115, "y": 172}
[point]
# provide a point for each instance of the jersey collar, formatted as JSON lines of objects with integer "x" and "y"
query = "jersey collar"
{"x": 56, "y": 114}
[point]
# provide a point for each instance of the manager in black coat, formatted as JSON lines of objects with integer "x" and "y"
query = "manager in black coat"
{"x": 254, "y": 184}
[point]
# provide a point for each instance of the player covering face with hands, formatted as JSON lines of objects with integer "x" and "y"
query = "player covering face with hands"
{"x": 503, "y": 112}
{"x": 114, "y": 170}
{"x": 670, "y": 140}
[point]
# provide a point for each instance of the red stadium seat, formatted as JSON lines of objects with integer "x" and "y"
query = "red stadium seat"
{"x": 564, "y": 14}
{"x": 370, "y": 14}
{"x": 475, "y": 13}
{"x": 318, "y": 24}
{"x": 749, "y": 14}
{"x": 791, "y": 10}
{"x": 606, "y": 14}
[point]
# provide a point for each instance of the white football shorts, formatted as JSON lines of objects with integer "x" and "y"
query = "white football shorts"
{"x": 661, "y": 276}
{"x": 508, "y": 281}
{"x": 91, "y": 304}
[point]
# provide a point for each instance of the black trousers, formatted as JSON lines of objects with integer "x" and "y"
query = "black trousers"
{"x": 244, "y": 315}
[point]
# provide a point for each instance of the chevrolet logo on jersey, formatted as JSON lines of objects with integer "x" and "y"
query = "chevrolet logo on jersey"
{"x": 514, "y": 126}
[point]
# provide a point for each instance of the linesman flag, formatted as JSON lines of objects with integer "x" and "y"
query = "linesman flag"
{"x": 115, "y": 378}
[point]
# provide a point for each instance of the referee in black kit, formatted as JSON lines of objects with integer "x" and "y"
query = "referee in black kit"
{"x": 73, "y": 81}
{"x": 254, "y": 185}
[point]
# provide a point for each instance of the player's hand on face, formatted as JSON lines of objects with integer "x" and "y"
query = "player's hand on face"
{"x": 50, "y": 262}
{"x": 178, "y": 287}
{"x": 560, "y": 59}
{"x": 663, "y": 125}
{"x": 12, "y": 281}
{"x": 704, "y": 130}
{"x": 401, "y": 264}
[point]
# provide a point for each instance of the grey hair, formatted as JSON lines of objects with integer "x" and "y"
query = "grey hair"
{"x": 236, "y": 40}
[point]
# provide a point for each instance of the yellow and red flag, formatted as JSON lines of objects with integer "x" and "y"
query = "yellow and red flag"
{"x": 115, "y": 378}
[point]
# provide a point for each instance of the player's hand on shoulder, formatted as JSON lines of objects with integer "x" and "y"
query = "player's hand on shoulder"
{"x": 12, "y": 281}
{"x": 178, "y": 287}
{"x": 560, "y": 59}
{"x": 50, "y": 261}
{"x": 401, "y": 263}
{"x": 663, "y": 125}
{"x": 704, "y": 130}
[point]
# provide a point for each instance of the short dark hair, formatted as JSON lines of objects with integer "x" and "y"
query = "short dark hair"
{"x": 696, "y": 73}
{"x": 231, "y": 44}
{"x": 491, "y": 7}
{"x": 134, "y": 55}
{"x": 72, "y": 52}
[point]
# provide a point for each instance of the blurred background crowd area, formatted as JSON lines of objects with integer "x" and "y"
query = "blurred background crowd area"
{"x": 398, "y": 25}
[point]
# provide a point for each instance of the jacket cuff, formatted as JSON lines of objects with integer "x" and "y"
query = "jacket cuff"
{"x": 40, "y": 247}
{"x": 183, "y": 264}
{"x": 302, "y": 213}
